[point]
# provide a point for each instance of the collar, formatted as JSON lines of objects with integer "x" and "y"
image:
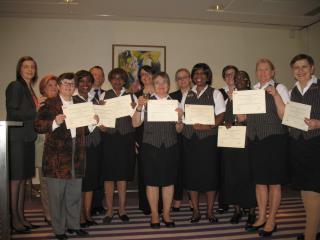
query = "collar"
{"x": 64, "y": 102}
{"x": 258, "y": 85}
{"x": 313, "y": 80}
{"x": 194, "y": 89}
{"x": 123, "y": 90}
{"x": 159, "y": 98}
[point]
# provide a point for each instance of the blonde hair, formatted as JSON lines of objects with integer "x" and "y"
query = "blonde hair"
{"x": 265, "y": 60}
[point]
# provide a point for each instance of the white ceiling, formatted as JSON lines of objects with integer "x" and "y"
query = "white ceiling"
{"x": 291, "y": 14}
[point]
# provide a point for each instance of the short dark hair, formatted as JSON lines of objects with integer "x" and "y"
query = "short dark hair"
{"x": 82, "y": 74}
{"x": 19, "y": 65}
{"x": 228, "y": 67}
{"x": 44, "y": 82}
{"x": 205, "y": 68}
{"x": 66, "y": 75}
{"x": 118, "y": 71}
{"x": 97, "y": 67}
{"x": 147, "y": 69}
{"x": 302, "y": 56}
{"x": 245, "y": 76}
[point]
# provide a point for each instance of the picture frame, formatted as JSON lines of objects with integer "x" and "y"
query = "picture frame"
{"x": 132, "y": 57}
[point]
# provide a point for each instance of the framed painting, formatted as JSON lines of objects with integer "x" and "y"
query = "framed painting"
{"x": 132, "y": 57}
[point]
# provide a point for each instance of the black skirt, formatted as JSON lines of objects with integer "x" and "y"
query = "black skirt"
{"x": 118, "y": 157}
{"x": 238, "y": 187}
{"x": 269, "y": 160}
{"x": 160, "y": 165}
{"x": 201, "y": 164}
{"x": 91, "y": 180}
{"x": 21, "y": 160}
{"x": 305, "y": 164}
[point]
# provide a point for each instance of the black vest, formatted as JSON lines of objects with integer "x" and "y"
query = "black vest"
{"x": 311, "y": 97}
{"x": 265, "y": 124}
{"x": 158, "y": 133}
{"x": 123, "y": 124}
{"x": 205, "y": 99}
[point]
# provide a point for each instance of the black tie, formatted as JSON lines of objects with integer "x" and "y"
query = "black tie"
{"x": 96, "y": 95}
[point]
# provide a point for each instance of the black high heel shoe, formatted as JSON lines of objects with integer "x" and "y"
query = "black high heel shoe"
{"x": 264, "y": 233}
{"x": 124, "y": 217}
{"x": 20, "y": 231}
{"x": 31, "y": 226}
{"x": 252, "y": 228}
{"x": 235, "y": 219}
{"x": 170, "y": 224}
{"x": 155, "y": 225}
{"x": 195, "y": 218}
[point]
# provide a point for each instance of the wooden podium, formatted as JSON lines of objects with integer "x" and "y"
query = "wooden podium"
{"x": 5, "y": 230}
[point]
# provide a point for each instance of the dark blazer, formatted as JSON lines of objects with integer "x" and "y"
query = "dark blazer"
{"x": 177, "y": 95}
{"x": 20, "y": 107}
{"x": 57, "y": 154}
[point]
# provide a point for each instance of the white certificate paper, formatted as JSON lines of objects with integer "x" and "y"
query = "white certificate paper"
{"x": 249, "y": 101}
{"x": 294, "y": 115}
{"x": 202, "y": 114}
{"x": 106, "y": 116}
{"x": 162, "y": 111}
{"x": 234, "y": 137}
{"x": 79, "y": 115}
{"x": 120, "y": 106}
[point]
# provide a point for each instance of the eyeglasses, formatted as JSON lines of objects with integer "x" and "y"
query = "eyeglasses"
{"x": 183, "y": 78}
{"x": 68, "y": 84}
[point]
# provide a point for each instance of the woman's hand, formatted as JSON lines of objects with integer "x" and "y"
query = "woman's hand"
{"x": 133, "y": 105}
{"x": 180, "y": 114}
{"x": 42, "y": 99}
{"x": 102, "y": 102}
{"x": 96, "y": 117}
{"x": 228, "y": 125}
{"x": 60, "y": 119}
{"x": 272, "y": 91}
{"x": 202, "y": 127}
{"x": 312, "y": 123}
{"x": 141, "y": 102}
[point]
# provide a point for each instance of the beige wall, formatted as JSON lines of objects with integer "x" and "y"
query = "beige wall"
{"x": 71, "y": 45}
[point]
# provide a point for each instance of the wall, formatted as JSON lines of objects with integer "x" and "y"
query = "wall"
{"x": 71, "y": 45}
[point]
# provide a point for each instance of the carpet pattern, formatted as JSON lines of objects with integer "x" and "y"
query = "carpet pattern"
{"x": 290, "y": 219}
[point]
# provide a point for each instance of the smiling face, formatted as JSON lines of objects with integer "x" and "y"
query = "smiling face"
{"x": 51, "y": 89}
{"x": 200, "y": 78}
{"x": 302, "y": 70}
{"x": 117, "y": 82}
{"x": 84, "y": 86}
{"x": 241, "y": 81}
{"x": 66, "y": 88}
{"x": 161, "y": 86}
{"x": 264, "y": 72}
{"x": 146, "y": 78}
{"x": 229, "y": 77}
{"x": 28, "y": 70}
{"x": 98, "y": 77}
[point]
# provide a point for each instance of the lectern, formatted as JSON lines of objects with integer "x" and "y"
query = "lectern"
{"x": 4, "y": 179}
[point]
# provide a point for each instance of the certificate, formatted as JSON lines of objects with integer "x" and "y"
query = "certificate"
{"x": 120, "y": 106}
{"x": 249, "y": 101}
{"x": 79, "y": 115}
{"x": 294, "y": 115}
{"x": 202, "y": 114}
{"x": 162, "y": 111}
{"x": 234, "y": 137}
{"x": 106, "y": 116}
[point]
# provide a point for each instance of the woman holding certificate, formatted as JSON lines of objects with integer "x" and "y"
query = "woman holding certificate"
{"x": 239, "y": 189}
{"x": 84, "y": 81}
{"x": 267, "y": 148}
{"x": 305, "y": 145}
{"x": 201, "y": 166}
{"x": 118, "y": 149}
{"x": 160, "y": 151}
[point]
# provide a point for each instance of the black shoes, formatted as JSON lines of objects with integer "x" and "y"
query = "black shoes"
{"x": 222, "y": 210}
{"x": 252, "y": 228}
{"x": 195, "y": 218}
{"x": 124, "y": 217}
{"x": 155, "y": 225}
{"x": 235, "y": 219}
{"x": 264, "y": 233}
{"x": 251, "y": 218}
{"x": 31, "y": 226}
{"x": 212, "y": 219}
{"x": 23, "y": 230}
{"x": 79, "y": 232}
{"x": 61, "y": 236}
{"x": 107, "y": 219}
{"x": 170, "y": 224}
{"x": 175, "y": 209}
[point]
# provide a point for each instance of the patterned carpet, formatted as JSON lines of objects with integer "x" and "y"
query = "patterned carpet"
{"x": 290, "y": 219}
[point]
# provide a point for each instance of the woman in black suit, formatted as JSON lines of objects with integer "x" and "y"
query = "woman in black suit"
{"x": 21, "y": 105}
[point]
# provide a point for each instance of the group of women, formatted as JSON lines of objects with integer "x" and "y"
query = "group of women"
{"x": 172, "y": 156}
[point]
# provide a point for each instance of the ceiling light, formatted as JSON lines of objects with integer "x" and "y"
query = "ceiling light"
{"x": 216, "y": 8}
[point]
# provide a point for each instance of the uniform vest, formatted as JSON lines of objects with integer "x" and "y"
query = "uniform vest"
{"x": 265, "y": 124}
{"x": 123, "y": 124}
{"x": 205, "y": 99}
{"x": 158, "y": 133}
{"x": 311, "y": 97}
